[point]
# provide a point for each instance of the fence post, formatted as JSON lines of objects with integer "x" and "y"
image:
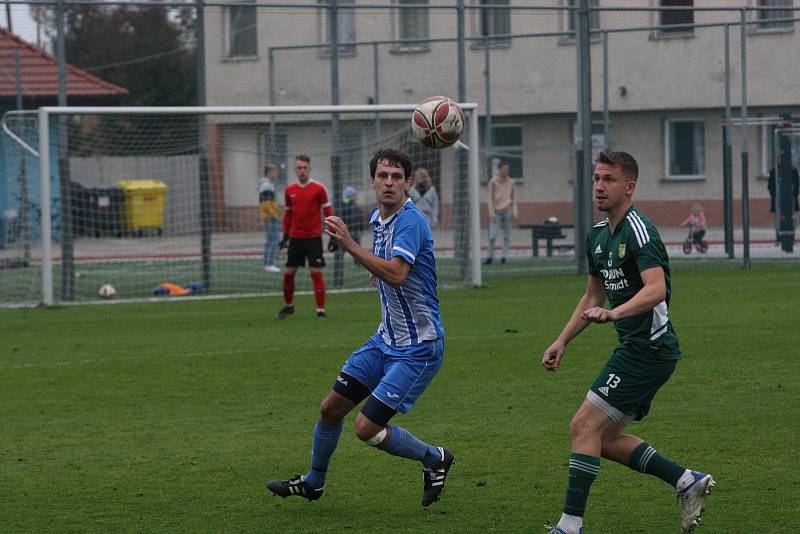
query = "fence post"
{"x": 336, "y": 167}
{"x": 727, "y": 154}
{"x": 745, "y": 154}
{"x": 583, "y": 141}
{"x": 487, "y": 121}
{"x": 65, "y": 189}
{"x": 460, "y": 189}
{"x": 376, "y": 88}
{"x": 206, "y": 217}
{"x": 606, "y": 112}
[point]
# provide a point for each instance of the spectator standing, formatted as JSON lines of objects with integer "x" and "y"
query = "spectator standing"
{"x": 425, "y": 197}
{"x": 502, "y": 206}
{"x": 270, "y": 215}
{"x": 351, "y": 213}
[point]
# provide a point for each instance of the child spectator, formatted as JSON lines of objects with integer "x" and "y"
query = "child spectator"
{"x": 697, "y": 222}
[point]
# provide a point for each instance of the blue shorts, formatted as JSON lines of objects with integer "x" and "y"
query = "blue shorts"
{"x": 396, "y": 376}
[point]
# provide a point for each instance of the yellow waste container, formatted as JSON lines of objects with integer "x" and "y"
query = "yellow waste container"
{"x": 144, "y": 204}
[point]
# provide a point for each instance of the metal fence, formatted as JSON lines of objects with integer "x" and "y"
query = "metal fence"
{"x": 556, "y": 81}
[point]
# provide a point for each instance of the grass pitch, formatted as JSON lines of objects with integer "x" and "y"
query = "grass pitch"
{"x": 170, "y": 418}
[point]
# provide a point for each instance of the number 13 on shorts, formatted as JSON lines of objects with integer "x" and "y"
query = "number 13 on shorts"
{"x": 613, "y": 380}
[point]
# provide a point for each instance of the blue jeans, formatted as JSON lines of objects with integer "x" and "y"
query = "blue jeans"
{"x": 503, "y": 219}
{"x": 272, "y": 239}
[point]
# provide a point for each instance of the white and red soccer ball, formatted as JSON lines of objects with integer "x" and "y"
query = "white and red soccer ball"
{"x": 437, "y": 122}
{"x": 107, "y": 291}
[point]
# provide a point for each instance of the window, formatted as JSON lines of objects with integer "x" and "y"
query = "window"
{"x": 598, "y": 134}
{"x": 673, "y": 17}
{"x": 495, "y": 21}
{"x": 412, "y": 23}
{"x": 594, "y": 16}
{"x": 769, "y": 20}
{"x": 242, "y": 31}
{"x": 507, "y": 146}
{"x": 685, "y": 148}
{"x": 346, "y": 20}
{"x": 768, "y": 148}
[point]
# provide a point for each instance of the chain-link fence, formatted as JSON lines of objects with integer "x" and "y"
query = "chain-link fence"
{"x": 665, "y": 83}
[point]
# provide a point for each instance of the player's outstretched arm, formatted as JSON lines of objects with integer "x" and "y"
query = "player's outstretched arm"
{"x": 393, "y": 272}
{"x": 594, "y": 296}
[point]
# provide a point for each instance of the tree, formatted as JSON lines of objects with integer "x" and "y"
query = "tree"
{"x": 145, "y": 49}
{"x": 149, "y": 51}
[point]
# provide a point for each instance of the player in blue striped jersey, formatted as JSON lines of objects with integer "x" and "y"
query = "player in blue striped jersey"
{"x": 628, "y": 265}
{"x": 394, "y": 367}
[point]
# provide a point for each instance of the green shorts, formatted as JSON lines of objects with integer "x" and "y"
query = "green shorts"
{"x": 628, "y": 382}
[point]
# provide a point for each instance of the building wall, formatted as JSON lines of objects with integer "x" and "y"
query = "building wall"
{"x": 533, "y": 75}
{"x": 652, "y": 78}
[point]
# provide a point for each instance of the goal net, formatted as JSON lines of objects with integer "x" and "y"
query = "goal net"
{"x": 165, "y": 201}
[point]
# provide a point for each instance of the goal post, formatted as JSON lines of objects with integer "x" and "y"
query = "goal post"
{"x": 112, "y": 147}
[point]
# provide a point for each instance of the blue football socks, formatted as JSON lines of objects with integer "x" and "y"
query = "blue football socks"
{"x": 322, "y": 446}
{"x": 403, "y": 443}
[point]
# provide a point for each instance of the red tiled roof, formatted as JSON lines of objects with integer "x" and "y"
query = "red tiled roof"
{"x": 39, "y": 73}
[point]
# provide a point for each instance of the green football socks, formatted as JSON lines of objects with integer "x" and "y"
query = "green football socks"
{"x": 583, "y": 470}
{"x": 646, "y": 459}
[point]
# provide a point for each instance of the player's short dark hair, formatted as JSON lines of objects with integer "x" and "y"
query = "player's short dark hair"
{"x": 394, "y": 157}
{"x": 502, "y": 162}
{"x": 302, "y": 157}
{"x": 624, "y": 160}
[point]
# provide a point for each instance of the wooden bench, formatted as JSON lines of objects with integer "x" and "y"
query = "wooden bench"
{"x": 548, "y": 232}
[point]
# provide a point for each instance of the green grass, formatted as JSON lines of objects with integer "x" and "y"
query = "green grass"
{"x": 170, "y": 418}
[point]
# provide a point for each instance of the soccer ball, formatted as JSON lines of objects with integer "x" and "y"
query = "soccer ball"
{"x": 107, "y": 291}
{"x": 437, "y": 122}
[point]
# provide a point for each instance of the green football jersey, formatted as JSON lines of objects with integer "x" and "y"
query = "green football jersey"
{"x": 619, "y": 258}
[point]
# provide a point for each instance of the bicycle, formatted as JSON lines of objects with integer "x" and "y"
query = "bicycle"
{"x": 695, "y": 240}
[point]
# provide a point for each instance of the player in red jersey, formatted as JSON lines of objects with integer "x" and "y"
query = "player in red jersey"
{"x": 302, "y": 233}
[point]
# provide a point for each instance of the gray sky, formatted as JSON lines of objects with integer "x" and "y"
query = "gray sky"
{"x": 24, "y": 26}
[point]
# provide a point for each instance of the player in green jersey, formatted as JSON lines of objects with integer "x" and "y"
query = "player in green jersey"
{"x": 628, "y": 265}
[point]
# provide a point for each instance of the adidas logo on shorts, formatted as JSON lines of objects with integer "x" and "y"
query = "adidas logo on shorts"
{"x": 604, "y": 390}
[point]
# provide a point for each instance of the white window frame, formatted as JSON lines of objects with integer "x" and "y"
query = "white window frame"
{"x": 668, "y": 149}
{"x": 227, "y": 32}
{"x": 398, "y": 24}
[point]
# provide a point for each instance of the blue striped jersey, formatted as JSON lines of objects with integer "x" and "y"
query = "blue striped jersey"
{"x": 409, "y": 313}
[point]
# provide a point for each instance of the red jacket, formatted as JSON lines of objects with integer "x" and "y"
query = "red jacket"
{"x": 302, "y": 219}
